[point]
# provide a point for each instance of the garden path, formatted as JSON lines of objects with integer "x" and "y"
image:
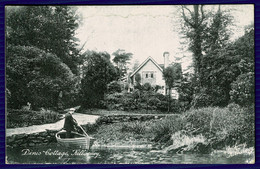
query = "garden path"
{"x": 81, "y": 119}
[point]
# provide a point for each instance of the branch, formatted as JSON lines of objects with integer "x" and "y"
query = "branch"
{"x": 184, "y": 16}
{"x": 187, "y": 9}
{"x": 202, "y": 14}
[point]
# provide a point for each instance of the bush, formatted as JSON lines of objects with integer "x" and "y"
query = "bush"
{"x": 231, "y": 125}
{"x": 243, "y": 90}
{"x": 147, "y": 87}
{"x": 136, "y": 127}
{"x": 199, "y": 119}
{"x": 163, "y": 129}
{"x": 114, "y": 87}
{"x": 23, "y": 118}
{"x": 141, "y": 100}
{"x": 222, "y": 126}
{"x": 201, "y": 99}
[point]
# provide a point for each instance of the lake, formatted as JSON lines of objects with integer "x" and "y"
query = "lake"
{"x": 54, "y": 153}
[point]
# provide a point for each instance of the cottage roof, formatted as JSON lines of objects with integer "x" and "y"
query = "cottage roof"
{"x": 142, "y": 65}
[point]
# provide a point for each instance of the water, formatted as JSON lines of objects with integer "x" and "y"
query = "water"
{"x": 56, "y": 154}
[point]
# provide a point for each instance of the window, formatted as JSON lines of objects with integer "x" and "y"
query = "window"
{"x": 146, "y": 75}
{"x": 151, "y": 75}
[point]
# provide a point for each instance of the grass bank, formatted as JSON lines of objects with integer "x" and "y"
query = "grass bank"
{"x": 207, "y": 129}
{"x": 197, "y": 130}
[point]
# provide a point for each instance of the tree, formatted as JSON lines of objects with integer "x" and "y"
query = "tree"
{"x": 121, "y": 59}
{"x": 214, "y": 59}
{"x": 171, "y": 75}
{"x": 136, "y": 65}
{"x": 138, "y": 78}
{"x": 222, "y": 66}
{"x": 36, "y": 76}
{"x": 194, "y": 27}
{"x": 49, "y": 28}
{"x": 41, "y": 55}
{"x": 98, "y": 72}
{"x": 216, "y": 34}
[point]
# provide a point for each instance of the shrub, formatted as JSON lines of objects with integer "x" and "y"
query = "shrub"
{"x": 199, "y": 119}
{"x": 243, "y": 90}
{"x": 163, "y": 129}
{"x": 135, "y": 127}
{"x": 22, "y": 118}
{"x": 221, "y": 127}
{"x": 114, "y": 87}
{"x": 201, "y": 99}
{"x": 147, "y": 87}
{"x": 231, "y": 125}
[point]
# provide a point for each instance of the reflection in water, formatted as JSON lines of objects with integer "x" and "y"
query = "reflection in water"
{"x": 56, "y": 154}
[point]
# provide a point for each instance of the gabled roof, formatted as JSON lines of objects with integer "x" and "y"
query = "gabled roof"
{"x": 142, "y": 65}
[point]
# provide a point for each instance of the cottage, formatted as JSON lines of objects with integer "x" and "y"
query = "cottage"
{"x": 152, "y": 72}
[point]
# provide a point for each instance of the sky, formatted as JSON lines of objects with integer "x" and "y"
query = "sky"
{"x": 145, "y": 30}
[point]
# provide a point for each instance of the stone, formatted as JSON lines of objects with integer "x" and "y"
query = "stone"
{"x": 176, "y": 150}
{"x": 15, "y": 145}
{"x": 24, "y": 145}
{"x": 44, "y": 134}
{"x": 41, "y": 138}
{"x": 31, "y": 144}
{"x": 30, "y": 137}
{"x": 20, "y": 136}
{"x": 10, "y": 139}
{"x": 19, "y": 142}
{"x": 36, "y": 141}
{"x": 45, "y": 140}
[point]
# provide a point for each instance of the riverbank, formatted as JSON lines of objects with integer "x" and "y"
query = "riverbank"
{"x": 204, "y": 131}
{"x": 217, "y": 131}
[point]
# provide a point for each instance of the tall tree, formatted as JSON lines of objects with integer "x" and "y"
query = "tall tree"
{"x": 194, "y": 24}
{"x": 172, "y": 74}
{"x": 136, "y": 65}
{"x": 49, "y": 28}
{"x": 41, "y": 54}
{"x": 208, "y": 34}
{"x": 121, "y": 59}
{"x": 98, "y": 72}
{"x": 36, "y": 76}
{"x": 216, "y": 34}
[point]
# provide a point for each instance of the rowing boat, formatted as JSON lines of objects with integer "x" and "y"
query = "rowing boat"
{"x": 78, "y": 141}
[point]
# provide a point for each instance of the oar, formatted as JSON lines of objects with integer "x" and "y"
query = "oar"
{"x": 83, "y": 130}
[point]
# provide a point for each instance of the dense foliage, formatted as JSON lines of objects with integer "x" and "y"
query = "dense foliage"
{"x": 172, "y": 74}
{"x": 121, "y": 60}
{"x": 36, "y": 76}
{"x": 98, "y": 72}
{"x": 24, "y": 118}
{"x": 144, "y": 98}
{"x": 218, "y": 62}
{"x": 49, "y": 28}
{"x": 219, "y": 126}
{"x": 41, "y": 56}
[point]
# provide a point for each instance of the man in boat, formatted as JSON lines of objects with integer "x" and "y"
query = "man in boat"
{"x": 70, "y": 123}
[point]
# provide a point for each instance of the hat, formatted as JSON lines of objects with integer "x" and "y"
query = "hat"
{"x": 72, "y": 109}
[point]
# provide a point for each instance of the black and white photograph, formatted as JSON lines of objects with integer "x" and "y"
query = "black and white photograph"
{"x": 130, "y": 84}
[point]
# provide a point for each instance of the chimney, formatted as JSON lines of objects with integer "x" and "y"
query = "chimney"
{"x": 166, "y": 59}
